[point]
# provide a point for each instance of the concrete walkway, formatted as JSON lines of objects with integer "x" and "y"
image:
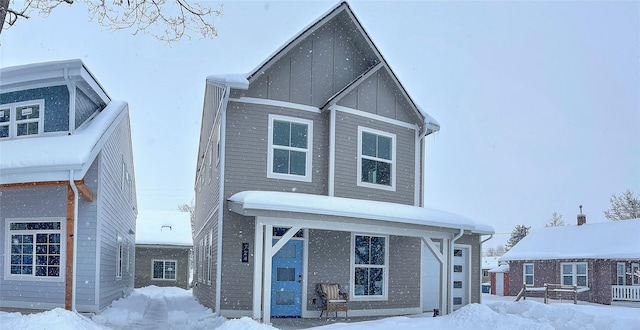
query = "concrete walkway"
{"x": 155, "y": 317}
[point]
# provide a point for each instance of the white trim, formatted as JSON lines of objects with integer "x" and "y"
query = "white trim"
{"x": 375, "y": 117}
{"x": 30, "y": 305}
{"x": 267, "y": 269}
{"x": 305, "y": 271}
{"x": 307, "y": 177}
{"x": 14, "y": 122}
{"x": 574, "y": 273}
{"x": 258, "y": 258}
{"x": 276, "y": 103}
{"x": 119, "y": 261}
{"x": 221, "y": 198}
{"x": 385, "y": 270}
{"x": 469, "y": 266}
{"x": 6, "y": 261}
{"x": 392, "y": 161}
{"x": 163, "y": 273}
{"x": 624, "y": 273}
{"x": 524, "y": 274}
{"x": 332, "y": 152}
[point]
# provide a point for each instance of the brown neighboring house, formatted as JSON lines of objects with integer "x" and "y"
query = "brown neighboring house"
{"x": 163, "y": 249}
{"x": 602, "y": 257}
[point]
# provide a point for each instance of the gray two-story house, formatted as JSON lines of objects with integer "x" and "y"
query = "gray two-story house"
{"x": 67, "y": 190}
{"x": 310, "y": 170}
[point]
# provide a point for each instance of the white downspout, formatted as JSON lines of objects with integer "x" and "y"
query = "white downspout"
{"x": 449, "y": 277}
{"x": 75, "y": 240}
{"x": 221, "y": 199}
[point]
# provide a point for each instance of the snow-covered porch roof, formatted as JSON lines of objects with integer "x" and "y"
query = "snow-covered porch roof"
{"x": 299, "y": 211}
{"x": 307, "y": 206}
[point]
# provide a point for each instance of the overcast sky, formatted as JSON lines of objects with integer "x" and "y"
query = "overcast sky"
{"x": 539, "y": 102}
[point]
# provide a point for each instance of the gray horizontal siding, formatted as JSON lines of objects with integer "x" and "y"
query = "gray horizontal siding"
{"x": 346, "y": 164}
{"x": 237, "y": 277}
{"x": 247, "y": 144}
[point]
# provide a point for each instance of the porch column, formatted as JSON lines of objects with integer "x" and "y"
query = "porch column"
{"x": 266, "y": 274}
{"x": 258, "y": 257}
{"x": 445, "y": 292}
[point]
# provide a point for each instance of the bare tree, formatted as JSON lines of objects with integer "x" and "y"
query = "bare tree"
{"x": 623, "y": 207}
{"x": 495, "y": 251}
{"x": 555, "y": 221}
{"x": 167, "y": 20}
{"x": 191, "y": 209}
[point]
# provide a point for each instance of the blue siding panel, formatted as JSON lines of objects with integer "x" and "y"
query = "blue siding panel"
{"x": 56, "y": 105}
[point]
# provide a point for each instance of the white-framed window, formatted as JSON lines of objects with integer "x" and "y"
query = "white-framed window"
{"x": 119, "y": 256}
{"x": 210, "y": 257}
{"x": 164, "y": 269}
{"x": 376, "y": 159}
{"x": 635, "y": 280}
{"x": 37, "y": 249}
{"x": 621, "y": 276}
{"x": 574, "y": 273}
{"x": 290, "y": 153}
{"x": 527, "y": 274}
{"x": 369, "y": 261}
{"x": 21, "y": 119}
{"x": 218, "y": 145}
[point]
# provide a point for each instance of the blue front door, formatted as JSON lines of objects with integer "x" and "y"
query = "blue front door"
{"x": 286, "y": 280}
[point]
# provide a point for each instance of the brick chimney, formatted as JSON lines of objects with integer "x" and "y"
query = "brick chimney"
{"x": 582, "y": 219}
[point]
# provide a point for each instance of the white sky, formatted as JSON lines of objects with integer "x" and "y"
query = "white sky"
{"x": 539, "y": 102}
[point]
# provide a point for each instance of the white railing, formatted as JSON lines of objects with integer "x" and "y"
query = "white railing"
{"x": 625, "y": 292}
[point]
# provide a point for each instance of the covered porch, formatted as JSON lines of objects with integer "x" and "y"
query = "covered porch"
{"x": 294, "y": 213}
{"x": 630, "y": 293}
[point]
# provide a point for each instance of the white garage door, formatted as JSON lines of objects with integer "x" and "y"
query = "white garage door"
{"x": 499, "y": 284}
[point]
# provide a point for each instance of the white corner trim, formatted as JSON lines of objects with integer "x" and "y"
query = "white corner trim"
{"x": 276, "y": 103}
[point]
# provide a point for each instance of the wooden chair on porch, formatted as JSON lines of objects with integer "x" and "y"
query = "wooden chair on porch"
{"x": 332, "y": 299}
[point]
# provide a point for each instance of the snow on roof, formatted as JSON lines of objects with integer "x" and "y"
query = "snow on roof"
{"x": 164, "y": 228}
{"x": 239, "y": 81}
{"x": 603, "y": 240}
{"x": 500, "y": 269}
{"x": 489, "y": 262}
{"x": 355, "y": 208}
{"x": 51, "y": 157}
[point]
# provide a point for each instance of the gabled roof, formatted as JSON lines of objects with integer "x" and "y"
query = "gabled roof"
{"x": 163, "y": 228}
{"x": 247, "y": 201}
{"x": 603, "y": 240}
{"x": 51, "y": 156}
{"x": 242, "y": 81}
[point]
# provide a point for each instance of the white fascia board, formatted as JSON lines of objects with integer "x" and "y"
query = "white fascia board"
{"x": 256, "y": 202}
{"x": 236, "y": 81}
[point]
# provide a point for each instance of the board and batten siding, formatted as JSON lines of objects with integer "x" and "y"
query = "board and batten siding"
{"x": 51, "y": 201}
{"x": 317, "y": 67}
{"x": 116, "y": 215}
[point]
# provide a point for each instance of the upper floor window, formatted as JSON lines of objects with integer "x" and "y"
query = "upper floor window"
{"x": 21, "y": 119}
{"x": 376, "y": 159}
{"x": 36, "y": 249}
{"x": 369, "y": 267}
{"x": 574, "y": 273}
{"x": 289, "y": 153}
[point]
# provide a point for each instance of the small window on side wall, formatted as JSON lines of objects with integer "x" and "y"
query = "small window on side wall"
{"x": 376, "y": 159}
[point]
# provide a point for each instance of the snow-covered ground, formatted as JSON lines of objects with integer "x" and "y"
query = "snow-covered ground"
{"x": 176, "y": 309}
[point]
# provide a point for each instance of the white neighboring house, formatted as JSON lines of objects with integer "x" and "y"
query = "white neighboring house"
{"x": 163, "y": 249}
{"x": 67, "y": 190}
